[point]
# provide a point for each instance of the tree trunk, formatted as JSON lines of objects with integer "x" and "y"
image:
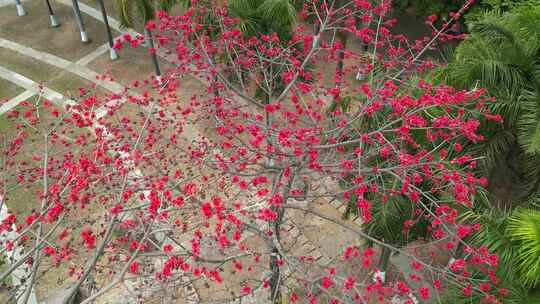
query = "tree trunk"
{"x": 383, "y": 264}
{"x": 276, "y": 278}
{"x": 80, "y": 22}
{"x": 52, "y": 16}
{"x": 457, "y": 254}
{"x": 339, "y": 73}
{"x": 341, "y": 56}
{"x": 114, "y": 55}
{"x": 155, "y": 62}
{"x": 316, "y": 32}
{"x": 20, "y": 9}
{"x": 275, "y": 290}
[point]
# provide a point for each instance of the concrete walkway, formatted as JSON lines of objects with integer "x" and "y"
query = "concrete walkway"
{"x": 32, "y": 88}
{"x": 94, "y": 55}
{"x": 115, "y": 24}
{"x": 13, "y": 102}
{"x": 64, "y": 64}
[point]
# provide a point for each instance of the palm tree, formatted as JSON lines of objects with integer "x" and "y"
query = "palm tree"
{"x": 80, "y": 21}
{"x": 501, "y": 54}
{"x": 524, "y": 228}
{"x": 515, "y": 237}
{"x": 132, "y": 13}
{"x": 20, "y": 9}
{"x": 391, "y": 217}
{"x": 110, "y": 38}
{"x": 265, "y": 17}
{"x": 52, "y": 16}
{"x": 388, "y": 224}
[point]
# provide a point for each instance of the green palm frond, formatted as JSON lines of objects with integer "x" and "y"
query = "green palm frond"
{"x": 145, "y": 9}
{"x": 531, "y": 173}
{"x": 508, "y": 104}
{"x": 166, "y": 5}
{"x": 517, "y": 294}
{"x": 246, "y": 12}
{"x": 133, "y": 13}
{"x": 185, "y": 3}
{"x": 388, "y": 220}
{"x": 280, "y": 13}
{"x": 501, "y": 55}
{"x": 476, "y": 63}
{"x": 492, "y": 28}
{"x": 125, "y": 12}
{"x": 495, "y": 147}
{"x": 529, "y": 122}
{"x": 524, "y": 22}
{"x": 244, "y": 6}
{"x": 494, "y": 73}
{"x": 493, "y": 233}
{"x": 524, "y": 226}
{"x": 497, "y": 234}
{"x": 264, "y": 16}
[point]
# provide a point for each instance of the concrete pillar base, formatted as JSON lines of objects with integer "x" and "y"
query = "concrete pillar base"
{"x": 54, "y": 21}
{"x": 113, "y": 53}
{"x": 20, "y": 10}
{"x": 84, "y": 37}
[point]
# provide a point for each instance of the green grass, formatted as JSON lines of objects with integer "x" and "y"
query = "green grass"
{"x": 9, "y": 90}
{"x": 4, "y": 294}
{"x": 52, "y": 77}
{"x": 4, "y": 123}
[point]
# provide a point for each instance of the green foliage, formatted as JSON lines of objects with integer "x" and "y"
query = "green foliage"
{"x": 483, "y": 6}
{"x": 524, "y": 227}
{"x": 429, "y": 7}
{"x": 501, "y": 55}
{"x": 133, "y": 13}
{"x": 493, "y": 234}
{"x": 516, "y": 293}
{"x": 265, "y": 17}
{"x": 388, "y": 222}
{"x": 442, "y": 8}
{"x": 515, "y": 237}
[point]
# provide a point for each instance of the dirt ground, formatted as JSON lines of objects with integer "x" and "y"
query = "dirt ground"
{"x": 133, "y": 64}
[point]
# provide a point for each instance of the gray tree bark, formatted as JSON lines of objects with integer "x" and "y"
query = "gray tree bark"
{"x": 150, "y": 40}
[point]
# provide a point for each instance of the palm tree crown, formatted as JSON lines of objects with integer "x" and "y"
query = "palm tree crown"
{"x": 501, "y": 55}
{"x": 133, "y": 13}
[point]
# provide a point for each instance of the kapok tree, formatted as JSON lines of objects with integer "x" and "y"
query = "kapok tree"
{"x": 211, "y": 189}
